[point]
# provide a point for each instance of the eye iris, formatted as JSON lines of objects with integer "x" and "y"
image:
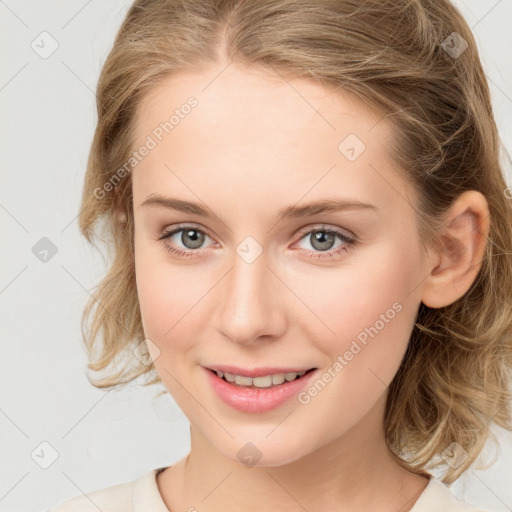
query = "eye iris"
{"x": 321, "y": 240}
{"x": 324, "y": 238}
{"x": 197, "y": 239}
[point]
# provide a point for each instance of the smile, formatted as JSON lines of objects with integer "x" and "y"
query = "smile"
{"x": 265, "y": 381}
{"x": 260, "y": 393}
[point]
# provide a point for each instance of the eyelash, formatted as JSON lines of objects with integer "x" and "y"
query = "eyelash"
{"x": 349, "y": 241}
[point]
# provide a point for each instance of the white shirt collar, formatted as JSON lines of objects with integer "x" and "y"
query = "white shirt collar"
{"x": 435, "y": 497}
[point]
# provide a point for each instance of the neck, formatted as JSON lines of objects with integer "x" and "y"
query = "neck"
{"x": 354, "y": 473}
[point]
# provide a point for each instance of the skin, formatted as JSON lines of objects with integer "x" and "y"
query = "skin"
{"x": 256, "y": 143}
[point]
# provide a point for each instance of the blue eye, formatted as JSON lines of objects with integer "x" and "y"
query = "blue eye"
{"x": 322, "y": 239}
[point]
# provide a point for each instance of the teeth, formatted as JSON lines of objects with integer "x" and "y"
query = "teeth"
{"x": 243, "y": 381}
{"x": 278, "y": 378}
{"x": 261, "y": 382}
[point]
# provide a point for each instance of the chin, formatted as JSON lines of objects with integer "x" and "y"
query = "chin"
{"x": 264, "y": 452}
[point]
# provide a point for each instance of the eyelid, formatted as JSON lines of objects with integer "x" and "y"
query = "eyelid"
{"x": 182, "y": 227}
{"x": 300, "y": 233}
{"x": 349, "y": 240}
{"x": 326, "y": 227}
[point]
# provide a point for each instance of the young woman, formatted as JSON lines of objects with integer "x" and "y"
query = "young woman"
{"x": 311, "y": 234}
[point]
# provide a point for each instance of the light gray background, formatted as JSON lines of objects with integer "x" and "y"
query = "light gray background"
{"x": 47, "y": 121}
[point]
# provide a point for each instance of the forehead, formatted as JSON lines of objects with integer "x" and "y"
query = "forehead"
{"x": 264, "y": 132}
{"x": 267, "y": 99}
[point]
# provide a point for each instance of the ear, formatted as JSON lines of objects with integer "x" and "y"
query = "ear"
{"x": 120, "y": 217}
{"x": 457, "y": 261}
{"x": 118, "y": 211}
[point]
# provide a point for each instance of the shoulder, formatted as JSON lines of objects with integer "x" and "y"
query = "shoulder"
{"x": 110, "y": 499}
{"x": 437, "y": 496}
{"x": 132, "y": 495}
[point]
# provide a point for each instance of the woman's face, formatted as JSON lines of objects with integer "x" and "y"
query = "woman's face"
{"x": 263, "y": 281}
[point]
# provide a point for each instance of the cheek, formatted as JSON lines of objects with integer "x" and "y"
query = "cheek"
{"x": 159, "y": 291}
{"x": 150, "y": 290}
{"x": 170, "y": 299}
{"x": 372, "y": 317}
{"x": 369, "y": 307}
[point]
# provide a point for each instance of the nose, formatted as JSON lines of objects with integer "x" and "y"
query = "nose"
{"x": 251, "y": 303}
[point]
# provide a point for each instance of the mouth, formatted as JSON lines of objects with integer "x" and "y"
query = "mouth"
{"x": 262, "y": 381}
{"x": 262, "y": 390}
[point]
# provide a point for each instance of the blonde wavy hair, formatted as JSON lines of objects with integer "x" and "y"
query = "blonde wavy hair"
{"x": 396, "y": 56}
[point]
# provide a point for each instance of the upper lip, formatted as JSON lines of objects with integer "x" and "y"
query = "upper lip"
{"x": 257, "y": 372}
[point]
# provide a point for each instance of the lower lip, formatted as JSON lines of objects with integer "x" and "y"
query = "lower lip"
{"x": 256, "y": 400}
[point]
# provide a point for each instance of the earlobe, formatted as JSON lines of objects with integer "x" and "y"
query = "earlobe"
{"x": 461, "y": 251}
{"x": 119, "y": 213}
{"x": 120, "y": 217}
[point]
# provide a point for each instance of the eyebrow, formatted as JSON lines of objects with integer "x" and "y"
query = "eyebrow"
{"x": 293, "y": 211}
